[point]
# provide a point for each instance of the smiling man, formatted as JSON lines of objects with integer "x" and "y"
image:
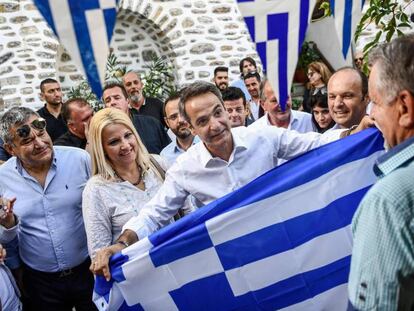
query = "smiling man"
{"x": 299, "y": 121}
{"x": 347, "y": 97}
{"x": 47, "y": 183}
{"x": 227, "y": 159}
{"x": 382, "y": 264}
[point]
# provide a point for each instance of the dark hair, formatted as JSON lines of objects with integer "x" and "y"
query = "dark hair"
{"x": 247, "y": 59}
{"x": 195, "y": 89}
{"x": 233, "y": 93}
{"x": 46, "y": 81}
{"x": 172, "y": 96}
{"x": 362, "y": 76}
{"x": 220, "y": 69}
{"x": 320, "y": 100}
{"x": 252, "y": 74}
{"x": 66, "y": 107}
{"x": 112, "y": 85}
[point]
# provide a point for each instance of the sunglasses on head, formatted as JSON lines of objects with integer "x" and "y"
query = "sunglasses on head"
{"x": 38, "y": 125}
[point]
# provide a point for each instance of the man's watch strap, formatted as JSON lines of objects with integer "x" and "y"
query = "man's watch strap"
{"x": 123, "y": 243}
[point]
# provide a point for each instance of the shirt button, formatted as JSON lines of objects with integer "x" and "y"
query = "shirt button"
{"x": 364, "y": 285}
{"x": 362, "y": 297}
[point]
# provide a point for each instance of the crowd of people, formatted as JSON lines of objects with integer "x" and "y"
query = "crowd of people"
{"x": 78, "y": 186}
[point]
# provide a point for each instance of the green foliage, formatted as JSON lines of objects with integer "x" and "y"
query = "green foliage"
{"x": 389, "y": 17}
{"x": 114, "y": 71}
{"x": 307, "y": 55}
{"x": 83, "y": 90}
{"x": 159, "y": 79}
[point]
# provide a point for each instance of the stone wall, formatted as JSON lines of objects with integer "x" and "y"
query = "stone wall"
{"x": 194, "y": 36}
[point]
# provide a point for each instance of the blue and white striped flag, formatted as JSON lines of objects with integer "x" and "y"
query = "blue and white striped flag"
{"x": 278, "y": 28}
{"x": 347, "y": 14}
{"x": 282, "y": 241}
{"x": 85, "y": 29}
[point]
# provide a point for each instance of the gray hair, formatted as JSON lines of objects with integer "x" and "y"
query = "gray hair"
{"x": 14, "y": 116}
{"x": 195, "y": 89}
{"x": 395, "y": 66}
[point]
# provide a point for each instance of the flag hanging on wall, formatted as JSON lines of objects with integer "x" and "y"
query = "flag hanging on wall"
{"x": 281, "y": 242}
{"x": 278, "y": 29}
{"x": 84, "y": 28}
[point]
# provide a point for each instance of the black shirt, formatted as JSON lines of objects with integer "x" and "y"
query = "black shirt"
{"x": 152, "y": 133}
{"x": 55, "y": 127}
{"x": 71, "y": 140}
{"x": 152, "y": 107}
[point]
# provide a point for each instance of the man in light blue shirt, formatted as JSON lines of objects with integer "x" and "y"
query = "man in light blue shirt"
{"x": 9, "y": 292}
{"x": 184, "y": 139}
{"x": 47, "y": 183}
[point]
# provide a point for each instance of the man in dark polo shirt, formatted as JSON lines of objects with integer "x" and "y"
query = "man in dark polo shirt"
{"x": 148, "y": 106}
{"x": 77, "y": 113}
{"x": 151, "y": 131}
{"x": 51, "y": 93}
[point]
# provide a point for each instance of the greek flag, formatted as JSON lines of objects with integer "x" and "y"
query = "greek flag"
{"x": 281, "y": 242}
{"x": 278, "y": 29}
{"x": 84, "y": 28}
{"x": 347, "y": 14}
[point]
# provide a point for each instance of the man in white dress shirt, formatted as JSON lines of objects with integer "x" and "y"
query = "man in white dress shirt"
{"x": 290, "y": 119}
{"x": 226, "y": 160}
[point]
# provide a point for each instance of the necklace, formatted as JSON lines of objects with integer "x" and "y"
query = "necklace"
{"x": 139, "y": 177}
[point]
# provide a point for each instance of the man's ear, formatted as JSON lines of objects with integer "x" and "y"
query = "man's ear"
{"x": 42, "y": 96}
{"x": 405, "y": 108}
{"x": 166, "y": 122}
{"x": 9, "y": 148}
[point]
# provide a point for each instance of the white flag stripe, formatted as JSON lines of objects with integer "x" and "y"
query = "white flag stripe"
{"x": 107, "y": 4}
{"x": 66, "y": 30}
{"x": 279, "y": 207}
{"x": 258, "y": 274}
{"x": 99, "y": 41}
{"x": 163, "y": 279}
{"x": 334, "y": 299}
{"x": 272, "y": 56}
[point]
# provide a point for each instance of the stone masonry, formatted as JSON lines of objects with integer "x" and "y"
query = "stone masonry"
{"x": 194, "y": 36}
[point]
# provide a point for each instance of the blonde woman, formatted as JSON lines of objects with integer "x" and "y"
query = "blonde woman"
{"x": 318, "y": 75}
{"x": 125, "y": 177}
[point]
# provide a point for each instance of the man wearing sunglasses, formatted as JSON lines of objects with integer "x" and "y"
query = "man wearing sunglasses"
{"x": 47, "y": 184}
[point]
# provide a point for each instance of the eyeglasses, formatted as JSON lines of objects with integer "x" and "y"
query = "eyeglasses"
{"x": 38, "y": 125}
{"x": 359, "y": 59}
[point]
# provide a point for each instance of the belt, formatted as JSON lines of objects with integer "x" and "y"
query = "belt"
{"x": 65, "y": 273}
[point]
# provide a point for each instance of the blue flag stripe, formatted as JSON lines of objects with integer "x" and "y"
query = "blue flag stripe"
{"x": 278, "y": 28}
{"x": 192, "y": 241}
{"x": 347, "y": 31}
{"x": 289, "y": 234}
{"x": 303, "y": 25}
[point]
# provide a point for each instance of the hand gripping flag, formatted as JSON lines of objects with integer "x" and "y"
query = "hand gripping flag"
{"x": 282, "y": 241}
{"x": 278, "y": 28}
{"x": 85, "y": 29}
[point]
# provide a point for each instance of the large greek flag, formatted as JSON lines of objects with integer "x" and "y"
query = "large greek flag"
{"x": 84, "y": 28}
{"x": 278, "y": 28}
{"x": 282, "y": 241}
